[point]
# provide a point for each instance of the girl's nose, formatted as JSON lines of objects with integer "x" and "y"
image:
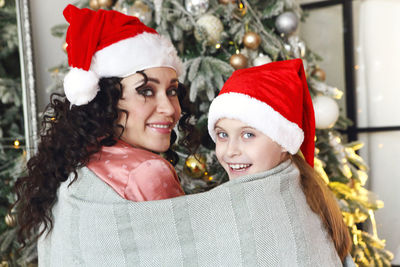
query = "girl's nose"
{"x": 233, "y": 149}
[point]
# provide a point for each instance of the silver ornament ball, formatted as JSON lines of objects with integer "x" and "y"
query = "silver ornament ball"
{"x": 261, "y": 60}
{"x": 287, "y": 22}
{"x": 196, "y": 7}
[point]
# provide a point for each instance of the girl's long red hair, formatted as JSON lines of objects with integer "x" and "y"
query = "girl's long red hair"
{"x": 322, "y": 201}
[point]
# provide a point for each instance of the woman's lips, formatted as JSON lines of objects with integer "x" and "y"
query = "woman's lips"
{"x": 161, "y": 127}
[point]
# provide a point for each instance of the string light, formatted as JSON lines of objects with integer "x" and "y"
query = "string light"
{"x": 16, "y": 144}
{"x": 218, "y": 46}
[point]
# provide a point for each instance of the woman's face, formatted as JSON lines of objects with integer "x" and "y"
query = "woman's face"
{"x": 243, "y": 150}
{"x": 153, "y": 110}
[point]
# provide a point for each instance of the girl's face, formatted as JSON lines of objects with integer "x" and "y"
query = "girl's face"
{"x": 153, "y": 110}
{"x": 243, "y": 150}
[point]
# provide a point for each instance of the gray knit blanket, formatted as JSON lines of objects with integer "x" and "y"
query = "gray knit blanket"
{"x": 255, "y": 220}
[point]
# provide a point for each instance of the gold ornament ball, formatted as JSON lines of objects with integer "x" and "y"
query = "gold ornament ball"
{"x": 251, "y": 40}
{"x": 10, "y": 220}
{"x": 64, "y": 47}
{"x": 319, "y": 74}
{"x": 94, "y": 4}
{"x": 225, "y": 2}
{"x": 238, "y": 61}
{"x": 195, "y": 166}
{"x": 105, "y": 3}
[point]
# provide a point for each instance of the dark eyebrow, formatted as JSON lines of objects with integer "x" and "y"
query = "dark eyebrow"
{"x": 157, "y": 81}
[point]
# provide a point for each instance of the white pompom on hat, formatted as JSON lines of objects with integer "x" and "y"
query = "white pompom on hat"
{"x": 106, "y": 43}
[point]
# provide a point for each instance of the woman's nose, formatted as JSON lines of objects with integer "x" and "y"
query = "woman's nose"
{"x": 165, "y": 106}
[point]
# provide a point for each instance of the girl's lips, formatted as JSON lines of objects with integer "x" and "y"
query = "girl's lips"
{"x": 239, "y": 167}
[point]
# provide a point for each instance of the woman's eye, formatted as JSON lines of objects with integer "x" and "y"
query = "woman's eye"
{"x": 248, "y": 135}
{"x": 222, "y": 135}
{"x": 172, "y": 92}
{"x": 146, "y": 92}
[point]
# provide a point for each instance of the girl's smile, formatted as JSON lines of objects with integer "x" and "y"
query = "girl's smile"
{"x": 243, "y": 150}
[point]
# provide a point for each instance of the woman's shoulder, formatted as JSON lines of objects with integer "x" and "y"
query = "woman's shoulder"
{"x": 127, "y": 169}
{"x": 122, "y": 151}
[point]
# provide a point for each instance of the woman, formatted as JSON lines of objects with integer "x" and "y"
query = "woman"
{"x": 122, "y": 103}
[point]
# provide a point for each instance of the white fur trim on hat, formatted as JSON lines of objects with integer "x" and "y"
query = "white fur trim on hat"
{"x": 256, "y": 114}
{"x": 143, "y": 51}
{"x": 80, "y": 86}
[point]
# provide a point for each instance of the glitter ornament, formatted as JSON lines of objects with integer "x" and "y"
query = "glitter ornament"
{"x": 210, "y": 28}
{"x": 140, "y": 10}
{"x": 196, "y": 7}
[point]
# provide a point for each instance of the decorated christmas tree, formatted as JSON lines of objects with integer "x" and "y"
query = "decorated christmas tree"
{"x": 215, "y": 37}
{"x": 11, "y": 126}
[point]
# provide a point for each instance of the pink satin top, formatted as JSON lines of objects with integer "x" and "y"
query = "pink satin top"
{"x": 135, "y": 174}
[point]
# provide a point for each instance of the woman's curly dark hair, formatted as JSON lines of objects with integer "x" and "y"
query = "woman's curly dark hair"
{"x": 70, "y": 135}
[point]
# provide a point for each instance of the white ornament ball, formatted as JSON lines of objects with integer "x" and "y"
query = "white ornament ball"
{"x": 326, "y": 112}
{"x": 212, "y": 26}
{"x": 196, "y": 7}
{"x": 287, "y": 22}
{"x": 261, "y": 60}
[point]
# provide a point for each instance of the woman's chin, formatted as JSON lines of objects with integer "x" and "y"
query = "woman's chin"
{"x": 159, "y": 148}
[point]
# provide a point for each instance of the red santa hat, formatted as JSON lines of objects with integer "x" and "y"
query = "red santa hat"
{"x": 274, "y": 99}
{"x": 106, "y": 43}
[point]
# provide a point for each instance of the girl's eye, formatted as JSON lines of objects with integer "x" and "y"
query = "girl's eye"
{"x": 248, "y": 135}
{"x": 146, "y": 92}
{"x": 172, "y": 92}
{"x": 222, "y": 135}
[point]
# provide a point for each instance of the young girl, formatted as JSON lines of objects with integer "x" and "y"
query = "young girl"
{"x": 259, "y": 121}
{"x": 122, "y": 103}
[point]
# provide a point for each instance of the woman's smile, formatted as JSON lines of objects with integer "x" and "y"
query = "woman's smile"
{"x": 152, "y": 108}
